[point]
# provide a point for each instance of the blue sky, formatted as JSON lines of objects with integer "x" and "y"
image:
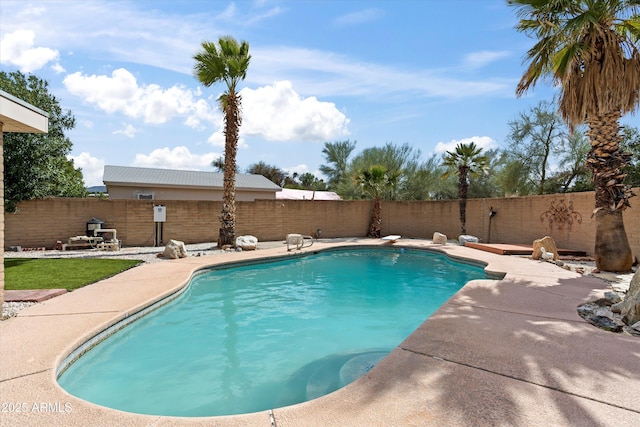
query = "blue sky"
{"x": 430, "y": 73}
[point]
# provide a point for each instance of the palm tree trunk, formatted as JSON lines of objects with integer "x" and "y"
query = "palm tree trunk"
{"x": 376, "y": 219}
{"x": 607, "y": 161}
{"x": 232, "y": 120}
{"x": 612, "y": 251}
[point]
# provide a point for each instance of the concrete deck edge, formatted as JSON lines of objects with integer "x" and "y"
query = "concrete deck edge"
{"x": 28, "y": 386}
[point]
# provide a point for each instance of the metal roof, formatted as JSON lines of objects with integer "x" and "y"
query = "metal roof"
{"x": 131, "y": 176}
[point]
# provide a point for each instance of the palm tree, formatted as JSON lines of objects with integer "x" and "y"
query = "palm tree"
{"x": 374, "y": 181}
{"x": 226, "y": 62}
{"x": 465, "y": 161}
{"x": 218, "y": 164}
{"x": 336, "y": 154}
{"x": 590, "y": 49}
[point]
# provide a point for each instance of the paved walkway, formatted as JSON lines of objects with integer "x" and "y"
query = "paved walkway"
{"x": 36, "y": 295}
{"x": 500, "y": 352}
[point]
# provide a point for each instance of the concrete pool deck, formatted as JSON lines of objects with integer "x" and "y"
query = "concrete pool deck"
{"x": 500, "y": 352}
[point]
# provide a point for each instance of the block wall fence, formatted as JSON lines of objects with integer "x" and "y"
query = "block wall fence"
{"x": 565, "y": 217}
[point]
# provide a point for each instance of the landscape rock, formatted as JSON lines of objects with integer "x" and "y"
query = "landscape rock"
{"x": 548, "y": 244}
{"x": 601, "y": 317}
{"x": 612, "y": 297}
{"x": 175, "y": 249}
{"x": 439, "y": 239}
{"x": 617, "y": 307}
{"x": 464, "y": 238}
{"x": 247, "y": 243}
{"x": 630, "y": 307}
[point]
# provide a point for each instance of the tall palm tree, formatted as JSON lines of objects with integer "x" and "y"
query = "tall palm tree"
{"x": 590, "y": 49}
{"x": 336, "y": 154}
{"x": 374, "y": 181}
{"x": 226, "y": 62}
{"x": 467, "y": 160}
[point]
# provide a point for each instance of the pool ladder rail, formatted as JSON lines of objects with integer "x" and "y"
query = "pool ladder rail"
{"x": 298, "y": 241}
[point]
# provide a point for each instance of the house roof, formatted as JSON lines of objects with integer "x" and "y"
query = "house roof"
{"x": 19, "y": 116}
{"x": 294, "y": 194}
{"x": 132, "y": 176}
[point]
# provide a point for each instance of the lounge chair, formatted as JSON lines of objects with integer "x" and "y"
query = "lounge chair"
{"x": 299, "y": 241}
{"x": 391, "y": 239}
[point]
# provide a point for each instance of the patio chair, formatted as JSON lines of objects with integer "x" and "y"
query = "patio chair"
{"x": 299, "y": 241}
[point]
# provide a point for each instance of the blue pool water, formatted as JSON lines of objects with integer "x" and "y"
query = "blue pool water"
{"x": 257, "y": 337}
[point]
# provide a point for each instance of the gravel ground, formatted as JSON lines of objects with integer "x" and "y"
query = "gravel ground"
{"x": 619, "y": 282}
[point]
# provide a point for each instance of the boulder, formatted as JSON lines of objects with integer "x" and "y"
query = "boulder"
{"x": 247, "y": 243}
{"x": 175, "y": 249}
{"x": 630, "y": 306}
{"x": 439, "y": 238}
{"x": 464, "y": 238}
{"x": 548, "y": 243}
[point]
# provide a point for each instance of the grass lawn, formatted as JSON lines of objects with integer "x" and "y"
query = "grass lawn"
{"x": 60, "y": 273}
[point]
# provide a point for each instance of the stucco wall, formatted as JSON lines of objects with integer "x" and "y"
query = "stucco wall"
{"x": 565, "y": 217}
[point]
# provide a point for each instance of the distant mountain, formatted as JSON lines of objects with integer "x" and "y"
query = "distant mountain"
{"x": 97, "y": 189}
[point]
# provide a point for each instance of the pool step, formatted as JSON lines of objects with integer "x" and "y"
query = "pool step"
{"x": 340, "y": 370}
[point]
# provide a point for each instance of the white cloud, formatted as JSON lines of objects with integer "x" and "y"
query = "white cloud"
{"x": 482, "y": 58}
{"x": 86, "y": 123}
{"x": 217, "y": 139}
{"x": 176, "y": 158}
{"x": 299, "y": 169}
{"x": 59, "y": 69}
{"x": 92, "y": 168}
{"x": 129, "y": 131}
{"x": 17, "y": 48}
{"x": 484, "y": 142}
{"x": 278, "y": 113}
{"x": 330, "y": 74}
{"x": 359, "y": 17}
{"x": 120, "y": 93}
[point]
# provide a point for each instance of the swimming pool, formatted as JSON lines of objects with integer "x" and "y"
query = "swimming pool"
{"x": 255, "y": 337}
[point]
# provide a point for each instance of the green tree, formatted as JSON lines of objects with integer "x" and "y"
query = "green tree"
{"x": 336, "y": 155}
{"x": 309, "y": 181}
{"x": 590, "y": 49}
{"x": 485, "y": 184}
{"x": 218, "y": 164}
{"x": 466, "y": 161}
{"x": 533, "y": 138}
{"x": 573, "y": 174}
{"x": 226, "y": 62}
{"x": 36, "y": 165}
{"x": 399, "y": 160}
{"x": 272, "y": 173}
{"x": 424, "y": 183}
{"x": 631, "y": 143}
{"x": 374, "y": 181}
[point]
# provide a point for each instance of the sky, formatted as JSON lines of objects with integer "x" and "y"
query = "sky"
{"x": 428, "y": 73}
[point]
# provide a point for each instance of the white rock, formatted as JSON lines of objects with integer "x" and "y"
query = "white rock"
{"x": 175, "y": 249}
{"x": 247, "y": 243}
{"x": 439, "y": 239}
{"x": 464, "y": 238}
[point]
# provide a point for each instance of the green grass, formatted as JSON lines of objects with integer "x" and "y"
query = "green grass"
{"x": 60, "y": 273}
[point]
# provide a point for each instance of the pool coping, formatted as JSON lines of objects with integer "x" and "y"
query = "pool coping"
{"x": 510, "y": 351}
